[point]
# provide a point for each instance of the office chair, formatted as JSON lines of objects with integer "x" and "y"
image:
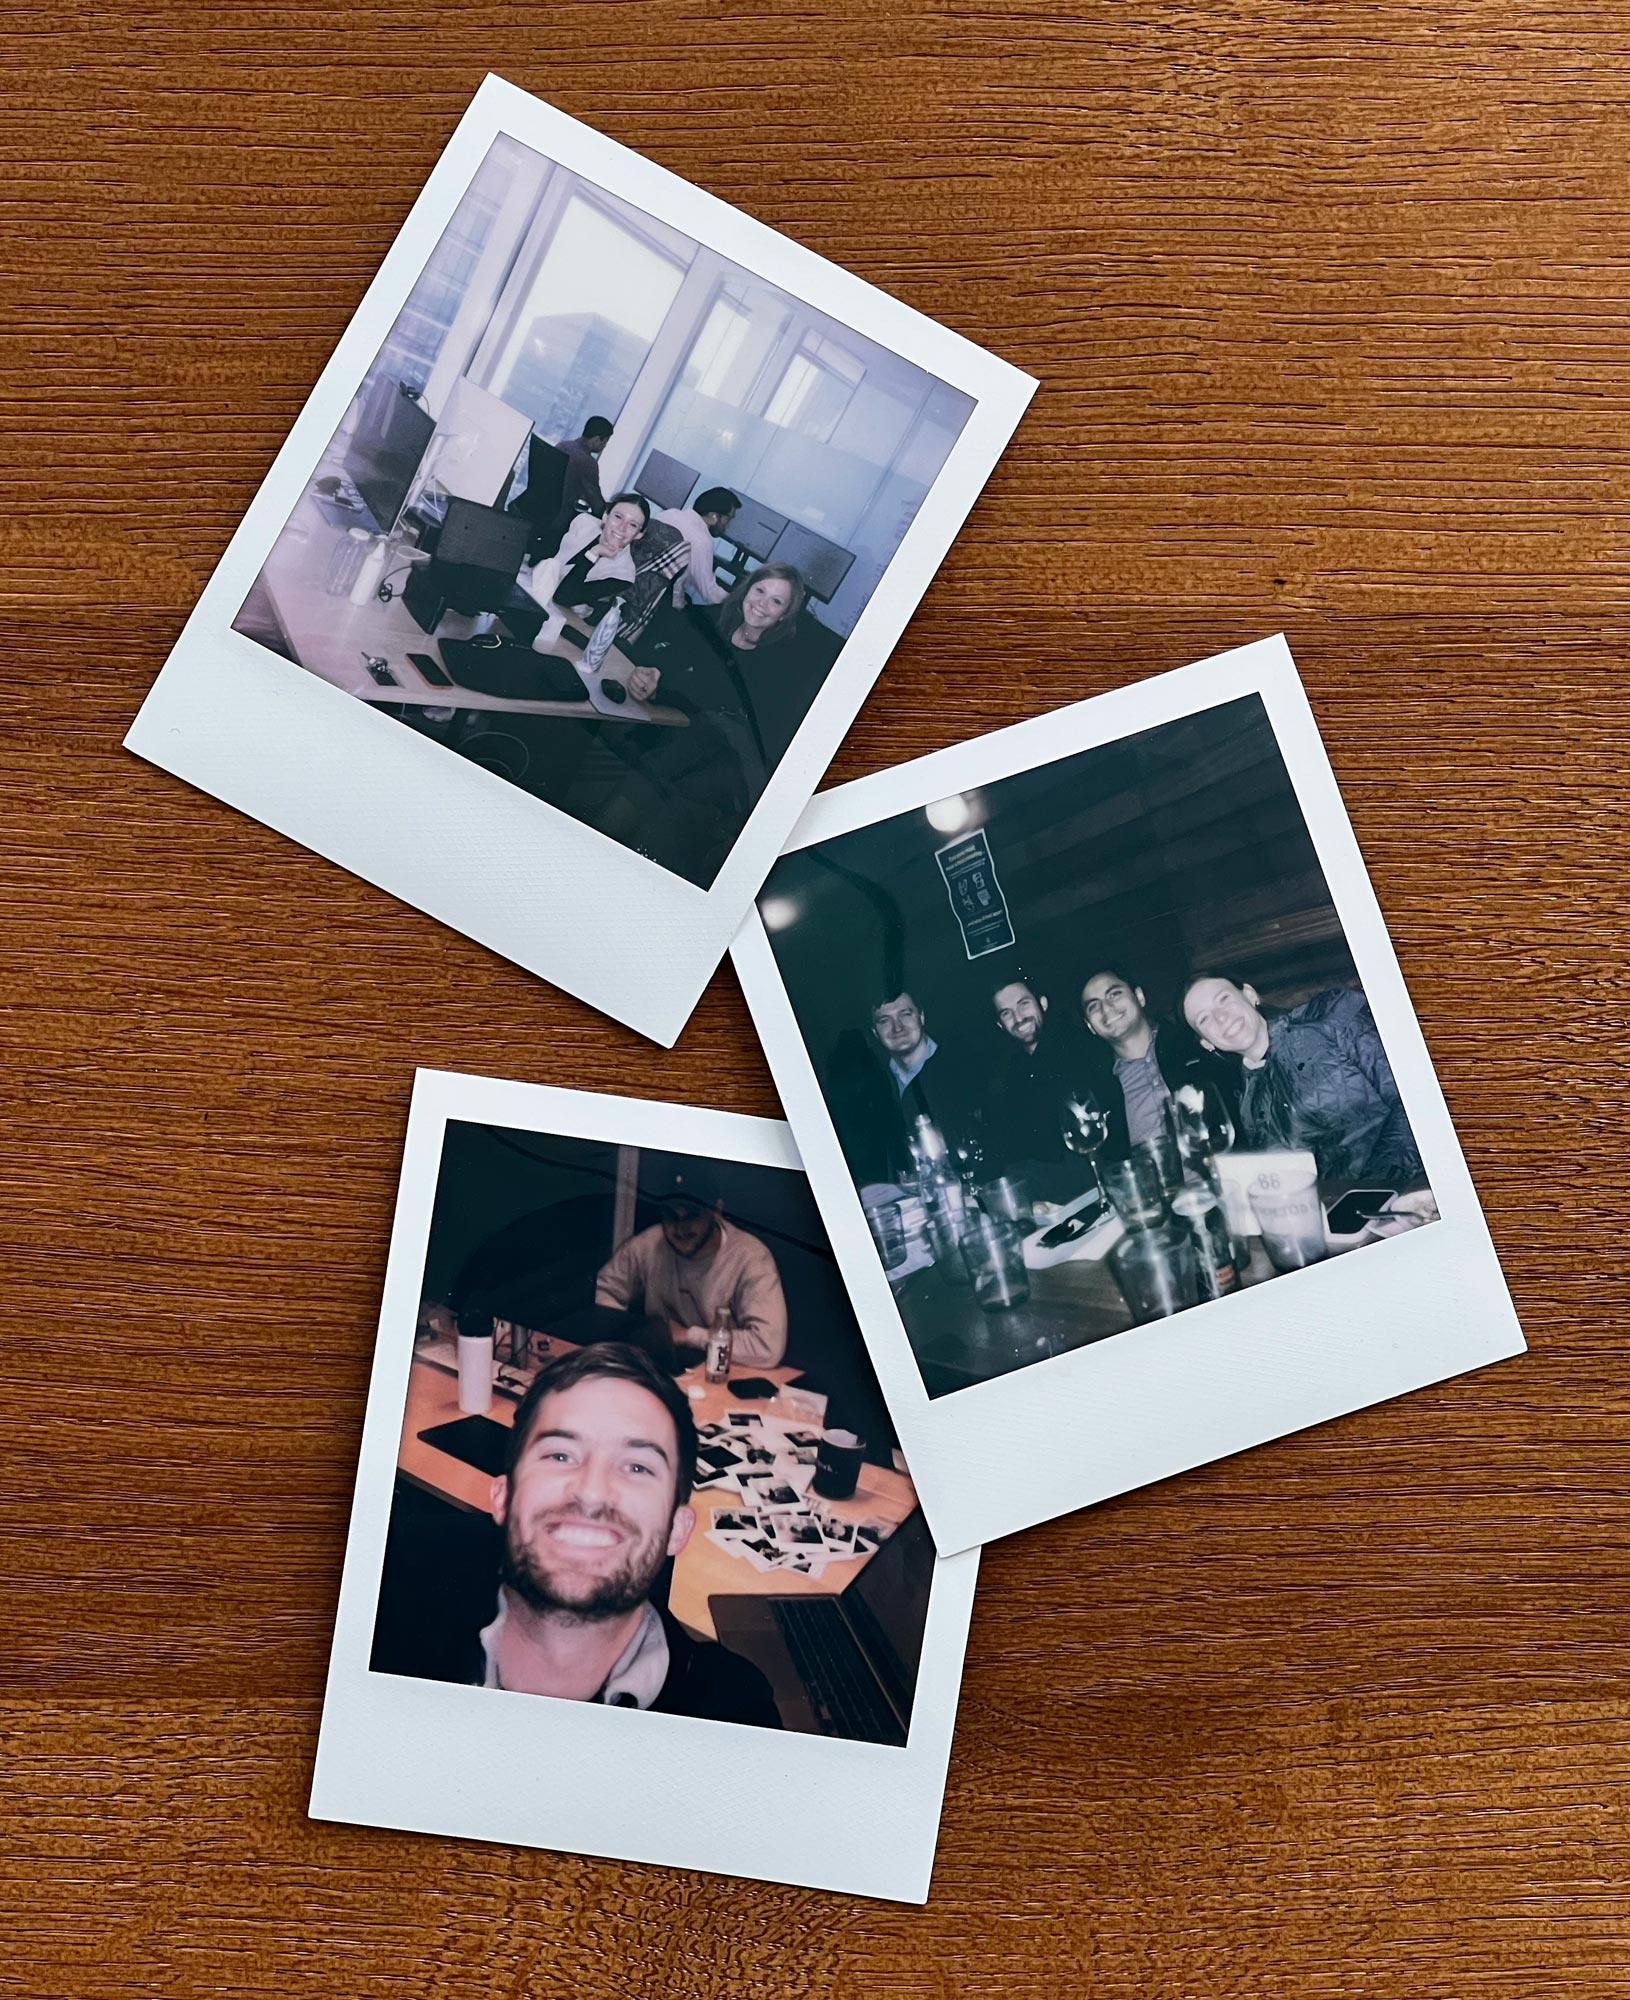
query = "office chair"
{"x": 540, "y": 504}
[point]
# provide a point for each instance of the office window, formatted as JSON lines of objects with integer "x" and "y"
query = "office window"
{"x": 413, "y": 343}
{"x": 816, "y": 390}
{"x": 583, "y": 330}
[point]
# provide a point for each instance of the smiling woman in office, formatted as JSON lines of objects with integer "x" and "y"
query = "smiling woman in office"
{"x": 596, "y": 556}
{"x": 763, "y": 608}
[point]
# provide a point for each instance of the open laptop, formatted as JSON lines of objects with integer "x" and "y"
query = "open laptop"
{"x": 844, "y": 1665}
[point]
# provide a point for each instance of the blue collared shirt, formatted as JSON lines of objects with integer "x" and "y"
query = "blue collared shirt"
{"x": 905, "y": 1073}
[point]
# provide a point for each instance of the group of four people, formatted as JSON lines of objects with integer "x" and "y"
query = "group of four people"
{"x": 1313, "y": 1077}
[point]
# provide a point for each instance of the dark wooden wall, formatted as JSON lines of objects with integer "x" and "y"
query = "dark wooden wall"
{"x": 1329, "y": 305}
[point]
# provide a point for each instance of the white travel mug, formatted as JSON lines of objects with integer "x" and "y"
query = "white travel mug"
{"x": 474, "y": 1373}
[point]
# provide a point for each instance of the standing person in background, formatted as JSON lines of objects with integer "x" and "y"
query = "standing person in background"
{"x": 708, "y": 515}
{"x": 690, "y": 1264}
{"x": 581, "y": 488}
{"x": 1314, "y": 1076}
{"x": 1151, "y": 1059}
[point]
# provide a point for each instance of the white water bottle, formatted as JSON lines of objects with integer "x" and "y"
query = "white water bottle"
{"x": 474, "y": 1367}
{"x": 601, "y": 638}
{"x": 366, "y": 587}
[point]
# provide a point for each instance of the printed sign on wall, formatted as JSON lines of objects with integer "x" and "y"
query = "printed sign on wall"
{"x": 976, "y": 895}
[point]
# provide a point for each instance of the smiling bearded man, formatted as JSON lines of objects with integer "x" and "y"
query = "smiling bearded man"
{"x": 594, "y": 1499}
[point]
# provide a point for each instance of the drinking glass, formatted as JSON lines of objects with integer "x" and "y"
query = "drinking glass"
{"x": 1008, "y": 1197}
{"x": 968, "y": 1150}
{"x": 1291, "y": 1219}
{"x": 947, "y": 1206}
{"x": 993, "y": 1252}
{"x": 1084, "y": 1123}
{"x": 888, "y": 1232}
{"x": 1203, "y": 1131}
{"x": 1158, "y": 1271}
{"x": 1136, "y": 1188}
{"x": 1165, "y": 1156}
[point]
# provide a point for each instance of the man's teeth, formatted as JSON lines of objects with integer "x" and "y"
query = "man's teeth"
{"x": 583, "y": 1537}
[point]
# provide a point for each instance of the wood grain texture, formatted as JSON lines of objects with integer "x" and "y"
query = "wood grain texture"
{"x": 1330, "y": 303}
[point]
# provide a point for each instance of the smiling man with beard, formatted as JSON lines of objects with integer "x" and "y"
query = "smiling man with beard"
{"x": 594, "y": 1500}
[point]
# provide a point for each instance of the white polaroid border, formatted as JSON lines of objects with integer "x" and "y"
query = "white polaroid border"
{"x": 1002, "y": 1455}
{"x": 444, "y": 834}
{"x": 476, "y": 1763}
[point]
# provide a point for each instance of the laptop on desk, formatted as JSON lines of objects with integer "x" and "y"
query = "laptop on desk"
{"x": 844, "y": 1665}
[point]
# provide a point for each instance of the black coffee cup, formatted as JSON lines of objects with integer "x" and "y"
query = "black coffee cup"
{"x": 837, "y": 1464}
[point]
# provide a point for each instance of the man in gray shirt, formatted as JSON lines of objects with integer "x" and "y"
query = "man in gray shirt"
{"x": 1152, "y": 1060}
{"x": 1116, "y": 1012}
{"x": 684, "y": 1268}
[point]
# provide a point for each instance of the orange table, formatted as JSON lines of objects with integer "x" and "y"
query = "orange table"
{"x": 703, "y": 1569}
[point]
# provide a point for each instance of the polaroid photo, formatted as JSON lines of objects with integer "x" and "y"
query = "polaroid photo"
{"x": 566, "y": 1651}
{"x": 580, "y": 559}
{"x": 1124, "y": 955}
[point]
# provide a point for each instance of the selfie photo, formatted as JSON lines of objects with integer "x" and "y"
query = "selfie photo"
{"x": 644, "y": 1461}
{"x": 636, "y": 1565}
{"x": 603, "y": 511}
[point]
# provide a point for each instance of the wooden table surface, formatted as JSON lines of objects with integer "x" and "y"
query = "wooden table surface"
{"x": 1331, "y": 309}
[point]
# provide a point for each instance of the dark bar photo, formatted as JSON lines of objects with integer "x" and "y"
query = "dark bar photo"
{"x": 1094, "y": 1044}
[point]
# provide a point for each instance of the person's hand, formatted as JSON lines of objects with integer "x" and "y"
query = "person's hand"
{"x": 642, "y": 683}
{"x": 682, "y": 1336}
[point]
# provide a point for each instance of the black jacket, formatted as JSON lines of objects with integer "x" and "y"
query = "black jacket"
{"x": 1025, "y": 1136}
{"x": 1327, "y": 1085}
{"x": 874, "y": 1119}
{"x": 704, "y": 1679}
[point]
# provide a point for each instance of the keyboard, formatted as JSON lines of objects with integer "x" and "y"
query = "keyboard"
{"x": 842, "y": 1689}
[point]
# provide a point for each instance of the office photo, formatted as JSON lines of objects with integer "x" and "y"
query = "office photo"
{"x": 636, "y": 1564}
{"x": 604, "y": 511}
{"x": 593, "y": 535}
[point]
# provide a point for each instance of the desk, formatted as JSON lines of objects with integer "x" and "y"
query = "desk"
{"x": 329, "y": 636}
{"x": 702, "y": 1569}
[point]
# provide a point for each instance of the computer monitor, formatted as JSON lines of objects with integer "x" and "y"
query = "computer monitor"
{"x": 476, "y": 560}
{"x": 822, "y": 564}
{"x": 385, "y": 450}
{"x": 478, "y": 439}
{"x": 664, "y": 481}
{"x": 754, "y": 528}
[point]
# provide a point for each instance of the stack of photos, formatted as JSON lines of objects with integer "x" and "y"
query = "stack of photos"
{"x": 1113, "y": 1145}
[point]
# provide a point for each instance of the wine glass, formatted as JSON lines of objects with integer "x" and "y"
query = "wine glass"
{"x": 1084, "y": 1123}
{"x": 1198, "y": 1120}
{"x": 968, "y": 1150}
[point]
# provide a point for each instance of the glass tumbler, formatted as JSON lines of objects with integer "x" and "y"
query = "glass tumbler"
{"x": 993, "y": 1251}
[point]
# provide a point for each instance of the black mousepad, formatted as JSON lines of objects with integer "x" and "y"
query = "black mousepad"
{"x": 515, "y": 672}
{"x": 478, "y": 1441}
